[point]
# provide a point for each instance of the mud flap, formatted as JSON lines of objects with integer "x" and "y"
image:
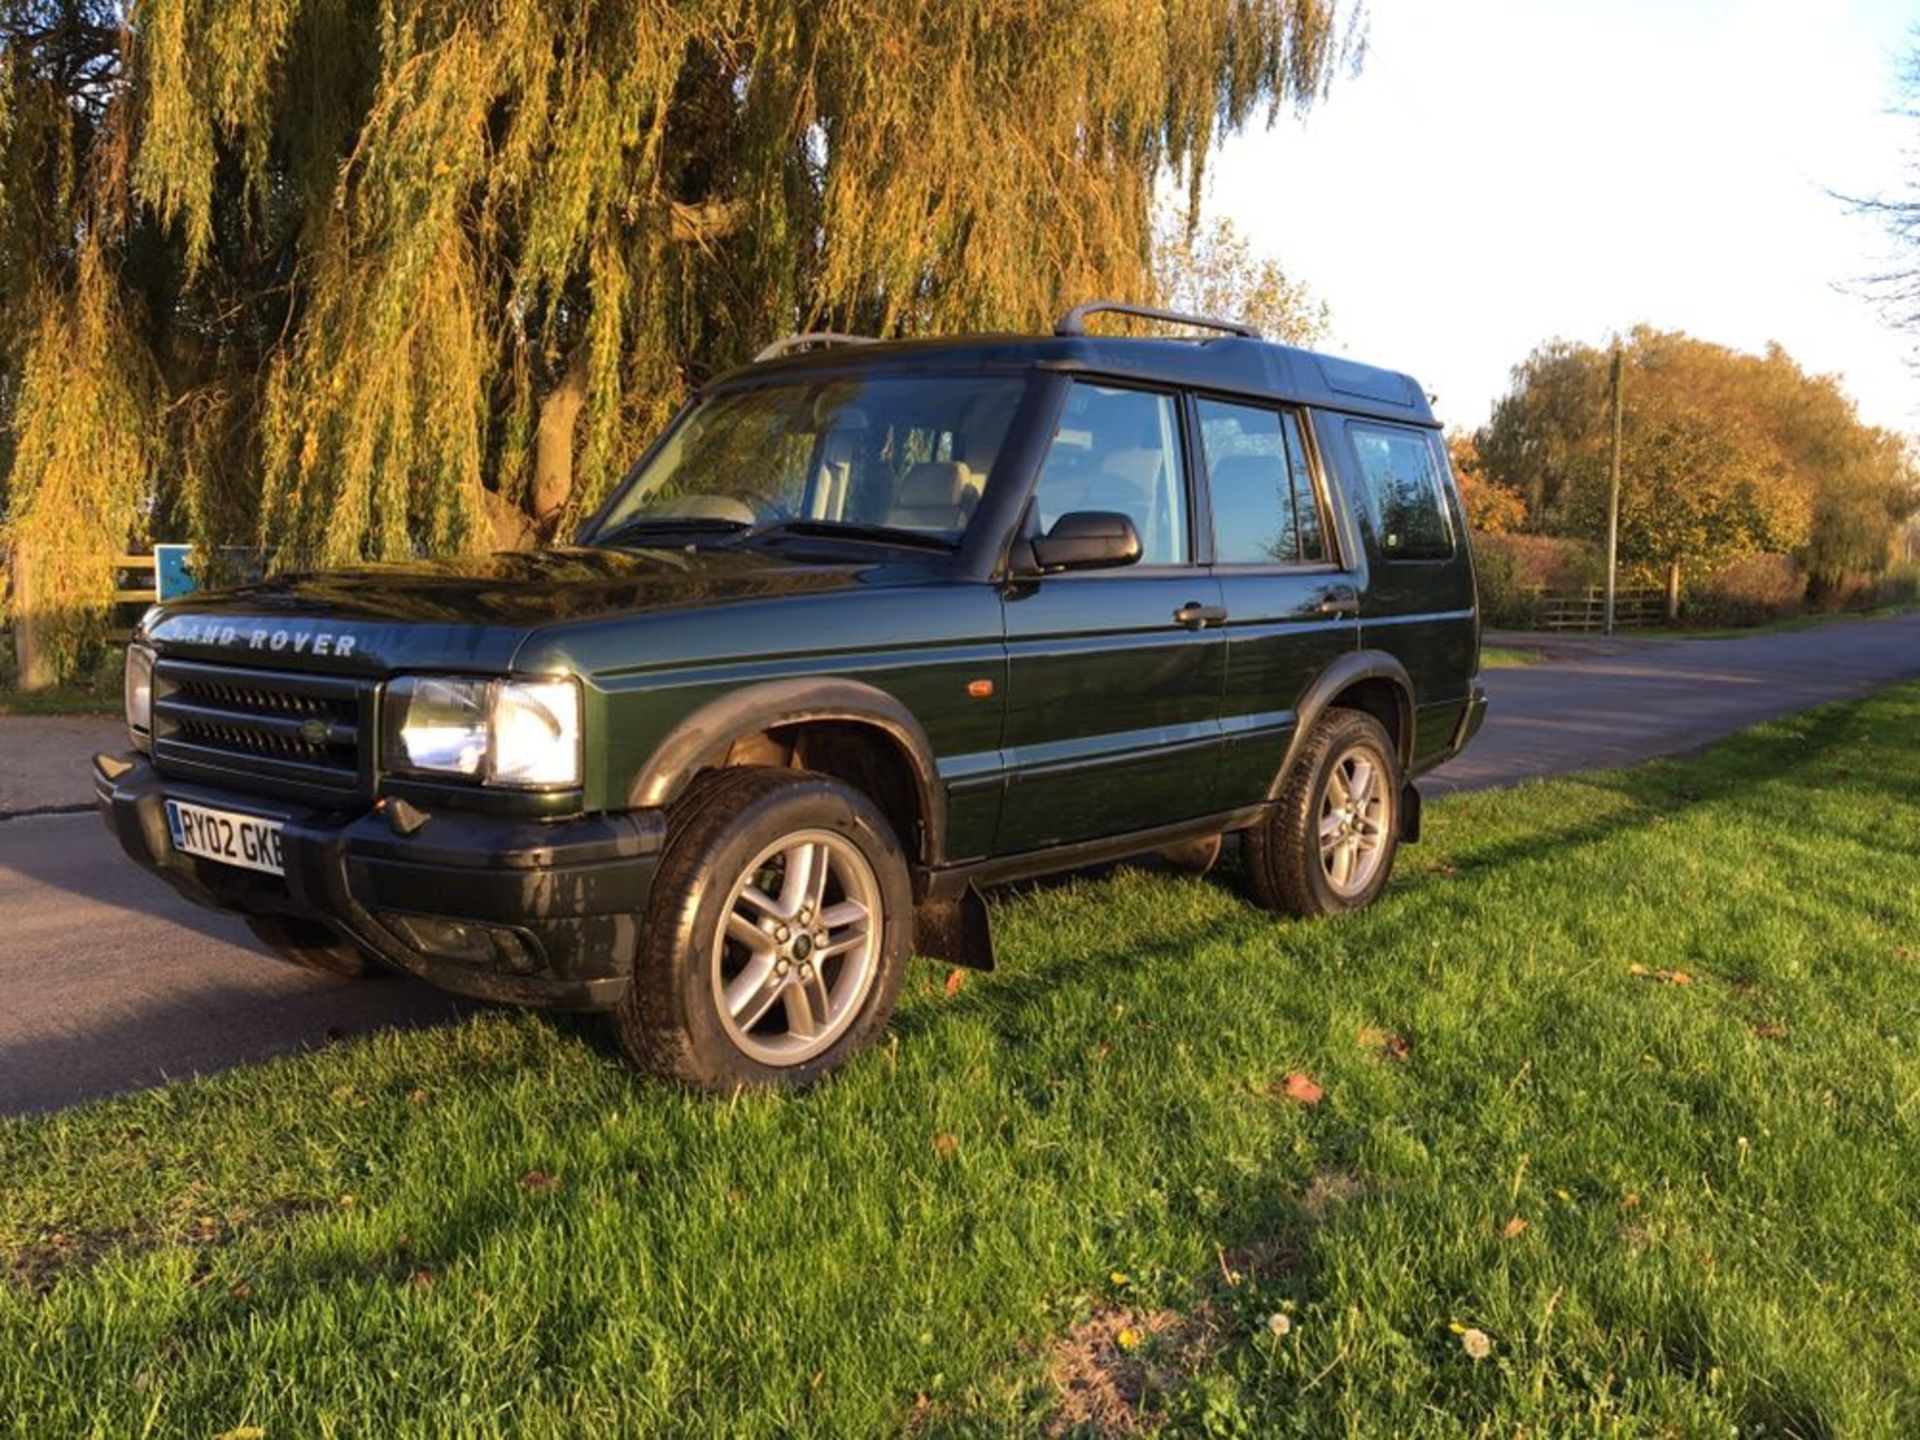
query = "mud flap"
{"x": 1410, "y": 814}
{"x": 957, "y": 931}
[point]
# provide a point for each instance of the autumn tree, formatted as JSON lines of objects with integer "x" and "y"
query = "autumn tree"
{"x": 352, "y": 280}
{"x": 1214, "y": 270}
{"x": 1491, "y": 508}
{"x": 1724, "y": 454}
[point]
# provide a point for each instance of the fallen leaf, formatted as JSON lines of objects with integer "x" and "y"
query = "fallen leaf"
{"x": 421, "y": 1279}
{"x": 1770, "y": 1031}
{"x": 945, "y": 1144}
{"x": 956, "y": 978}
{"x": 242, "y": 1291}
{"x": 1388, "y": 1044}
{"x": 1629, "y": 1201}
{"x": 1300, "y": 1087}
{"x": 1665, "y": 977}
{"x": 1512, "y": 1228}
{"x": 537, "y": 1181}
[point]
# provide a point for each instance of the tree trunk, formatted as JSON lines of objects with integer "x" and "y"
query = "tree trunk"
{"x": 1673, "y": 590}
{"x": 553, "y": 443}
{"x": 34, "y": 667}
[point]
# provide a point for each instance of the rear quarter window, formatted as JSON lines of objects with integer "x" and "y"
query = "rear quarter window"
{"x": 1401, "y": 482}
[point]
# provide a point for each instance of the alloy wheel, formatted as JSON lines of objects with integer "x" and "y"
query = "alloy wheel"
{"x": 799, "y": 947}
{"x": 1356, "y": 820}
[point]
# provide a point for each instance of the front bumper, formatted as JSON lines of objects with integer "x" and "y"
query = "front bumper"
{"x": 569, "y": 892}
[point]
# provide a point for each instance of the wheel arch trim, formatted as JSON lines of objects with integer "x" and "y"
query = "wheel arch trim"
{"x": 776, "y": 704}
{"x": 1349, "y": 670}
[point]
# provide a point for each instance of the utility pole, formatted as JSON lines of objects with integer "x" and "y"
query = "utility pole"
{"x": 1613, "y": 490}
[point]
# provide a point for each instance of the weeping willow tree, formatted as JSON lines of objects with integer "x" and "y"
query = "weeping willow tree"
{"x": 347, "y": 280}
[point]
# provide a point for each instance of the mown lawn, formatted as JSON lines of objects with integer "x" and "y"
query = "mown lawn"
{"x": 1509, "y": 657}
{"x": 1621, "y": 1080}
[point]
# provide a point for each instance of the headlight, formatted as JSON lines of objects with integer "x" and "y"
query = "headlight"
{"x": 504, "y": 732}
{"x": 138, "y": 693}
{"x": 536, "y": 732}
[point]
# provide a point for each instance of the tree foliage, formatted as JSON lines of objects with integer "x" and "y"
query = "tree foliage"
{"x": 422, "y": 274}
{"x": 1724, "y": 454}
{"x": 1491, "y": 508}
{"x": 1214, "y": 270}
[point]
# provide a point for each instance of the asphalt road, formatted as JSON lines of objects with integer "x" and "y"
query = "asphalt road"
{"x": 108, "y": 982}
{"x": 1602, "y": 703}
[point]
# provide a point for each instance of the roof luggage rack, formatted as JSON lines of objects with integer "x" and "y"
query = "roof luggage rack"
{"x": 1074, "y": 322}
{"x": 792, "y": 343}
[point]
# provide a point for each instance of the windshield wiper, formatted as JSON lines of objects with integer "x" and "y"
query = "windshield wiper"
{"x": 852, "y": 530}
{"x": 669, "y": 527}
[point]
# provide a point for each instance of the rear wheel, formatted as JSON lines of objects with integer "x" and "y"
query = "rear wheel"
{"x": 776, "y": 934}
{"x": 313, "y": 946}
{"x": 1327, "y": 845}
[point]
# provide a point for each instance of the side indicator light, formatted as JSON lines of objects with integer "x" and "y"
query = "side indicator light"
{"x": 979, "y": 689}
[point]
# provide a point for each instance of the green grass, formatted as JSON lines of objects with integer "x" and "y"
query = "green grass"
{"x": 96, "y": 692}
{"x": 1789, "y": 623}
{"x": 60, "y": 700}
{"x": 1507, "y": 657}
{"x": 1720, "y": 1180}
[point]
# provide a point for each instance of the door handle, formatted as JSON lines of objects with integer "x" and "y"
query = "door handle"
{"x": 1196, "y": 616}
{"x": 1342, "y": 600}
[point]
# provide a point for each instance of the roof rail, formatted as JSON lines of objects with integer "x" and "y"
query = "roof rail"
{"x": 791, "y": 343}
{"x": 1074, "y": 322}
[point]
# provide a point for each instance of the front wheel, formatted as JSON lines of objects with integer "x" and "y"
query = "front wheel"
{"x": 1327, "y": 845}
{"x": 776, "y": 934}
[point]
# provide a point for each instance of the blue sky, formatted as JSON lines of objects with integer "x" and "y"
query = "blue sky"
{"x": 1504, "y": 171}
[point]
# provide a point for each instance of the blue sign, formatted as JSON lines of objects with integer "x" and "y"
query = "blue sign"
{"x": 171, "y": 576}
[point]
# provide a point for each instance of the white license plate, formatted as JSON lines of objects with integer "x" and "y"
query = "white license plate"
{"x": 224, "y": 835}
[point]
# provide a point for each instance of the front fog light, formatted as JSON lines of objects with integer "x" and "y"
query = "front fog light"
{"x": 138, "y": 692}
{"x": 536, "y": 733}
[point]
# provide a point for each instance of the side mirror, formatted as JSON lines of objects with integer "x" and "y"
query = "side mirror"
{"x": 1088, "y": 540}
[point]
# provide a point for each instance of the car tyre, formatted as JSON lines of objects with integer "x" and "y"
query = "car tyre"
{"x": 314, "y": 946}
{"x": 776, "y": 934}
{"x": 1327, "y": 845}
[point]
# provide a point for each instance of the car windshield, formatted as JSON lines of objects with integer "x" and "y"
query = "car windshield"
{"x": 867, "y": 457}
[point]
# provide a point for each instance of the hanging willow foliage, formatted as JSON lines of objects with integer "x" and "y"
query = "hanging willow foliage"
{"x": 422, "y": 274}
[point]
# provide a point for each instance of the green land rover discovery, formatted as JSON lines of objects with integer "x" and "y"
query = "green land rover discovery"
{"x": 871, "y": 626}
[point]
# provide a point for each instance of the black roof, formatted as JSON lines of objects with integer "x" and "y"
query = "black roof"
{"x": 1231, "y": 364}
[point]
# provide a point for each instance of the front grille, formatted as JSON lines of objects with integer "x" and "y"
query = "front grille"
{"x": 272, "y": 732}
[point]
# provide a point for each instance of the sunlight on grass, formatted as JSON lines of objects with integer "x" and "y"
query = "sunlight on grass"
{"x": 1507, "y": 657}
{"x": 1619, "y": 1077}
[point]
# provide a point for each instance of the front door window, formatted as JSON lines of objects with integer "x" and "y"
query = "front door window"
{"x": 1119, "y": 450}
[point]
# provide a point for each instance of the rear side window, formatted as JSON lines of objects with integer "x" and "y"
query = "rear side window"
{"x": 1264, "y": 510}
{"x": 1401, "y": 478}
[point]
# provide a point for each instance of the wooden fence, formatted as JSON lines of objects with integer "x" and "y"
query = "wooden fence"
{"x": 1587, "y": 609}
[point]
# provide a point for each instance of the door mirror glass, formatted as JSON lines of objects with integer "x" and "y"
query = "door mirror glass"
{"x": 1088, "y": 540}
